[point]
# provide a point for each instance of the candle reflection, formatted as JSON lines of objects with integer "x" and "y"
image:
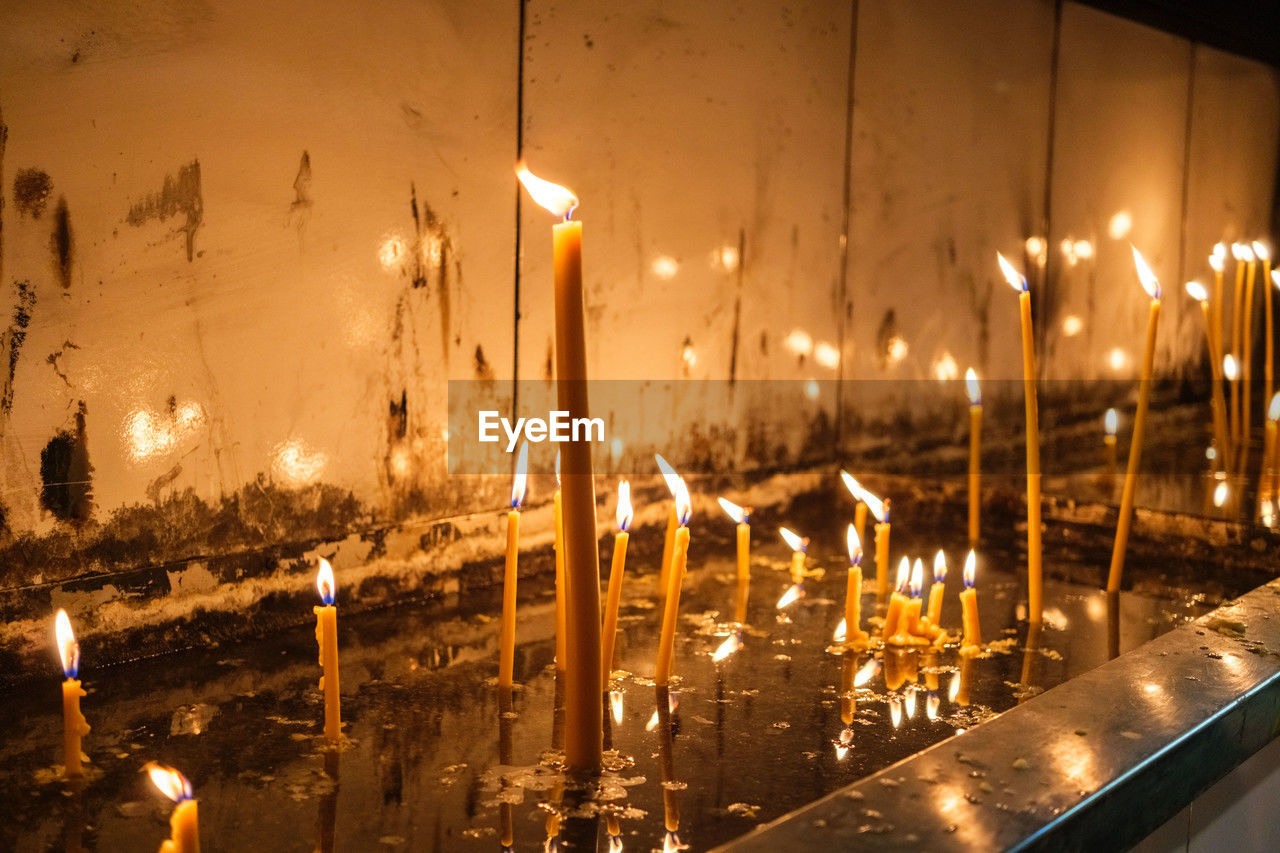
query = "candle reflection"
{"x": 1113, "y": 625}
{"x": 327, "y": 812}
{"x": 1030, "y": 663}
{"x": 666, "y": 756}
{"x": 73, "y": 817}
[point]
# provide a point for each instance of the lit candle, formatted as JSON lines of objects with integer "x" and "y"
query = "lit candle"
{"x": 938, "y": 589}
{"x": 327, "y": 640}
{"x": 1035, "y": 608}
{"x": 1267, "y": 482}
{"x": 558, "y": 519}
{"x": 880, "y": 510}
{"x": 972, "y": 643}
{"x": 671, "y": 611}
{"x": 1110, "y": 421}
{"x": 74, "y": 725}
{"x": 1152, "y": 286}
{"x": 975, "y": 453}
{"x": 798, "y": 548}
{"x": 584, "y": 712}
{"x": 184, "y": 828}
{"x": 507, "y": 636}
{"x": 860, "y": 506}
{"x": 908, "y": 621}
{"x": 854, "y": 635}
{"x": 1246, "y": 401}
{"x": 615, "y": 576}
{"x": 1237, "y": 321}
{"x": 1217, "y": 260}
{"x": 1197, "y": 292}
{"x": 671, "y": 478}
{"x": 743, "y": 519}
{"x": 897, "y": 601}
{"x": 1263, "y": 253}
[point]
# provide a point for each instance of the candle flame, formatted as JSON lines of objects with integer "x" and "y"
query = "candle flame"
{"x": 1236, "y": 251}
{"x": 1149, "y": 281}
{"x": 1219, "y": 251}
{"x": 953, "y": 689}
{"x": 1197, "y": 291}
{"x": 1273, "y": 410}
{"x": 971, "y": 385}
{"x": 895, "y": 710}
{"x": 684, "y": 505}
{"x": 555, "y": 198}
{"x": 864, "y": 675}
{"x": 970, "y": 569}
{"x": 170, "y": 782}
{"x": 1016, "y": 280}
{"x": 737, "y": 513}
{"x": 671, "y": 843}
{"x": 521, "y": 477}
{"x": 1229, "y": 369}
{"x": 1220, "y": 494}
{"x": 668, "y": 473}
{"x": 909, "y": 700}
{"x": 1246, "y": 253}
{"x": 325, "y": 583}
{"x": 904, "y": 575}
{"x": 793, "y": 540}
{"x": 1261, "y": 250}
{"x": 557, "y": 469}
{"x": 730, "y": 645}
{"x": 874, "y": 504}
{"x": 1215, "y": 261}
{"x": 939, "y": 567}
{"x": 790, "y": 597}
{"x": 1110, "y": 421}
{"x": 1275, "y": 277}
{"x": 854, "y": 545}
{"x": 624, "y": 506}
{"x": 841, "y": 633}
{"x": 615, "y": 705}
{"x": 917, "y": 578}
{"x": 931, "y": 704}
{"x": 68, "y": 648}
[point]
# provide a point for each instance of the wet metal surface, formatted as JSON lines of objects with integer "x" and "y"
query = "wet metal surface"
{"x": 437, "y": 760}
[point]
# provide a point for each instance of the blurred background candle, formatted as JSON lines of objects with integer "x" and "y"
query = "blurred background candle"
{"x": 1263, "y": 253}
{"x": 672, "y": 479}
{"x": 671, "y": 610}
{"x": 184, "y": 829}
{"x": 1237, "y": 321}
{"x": 854, "y": 635}
{"x": 1246, "y": 361}
{"x": 507, "y": 636}
{"x": 798, "y": 548}
{"x": 975, "y": 453}
{"x": 1152, "y": 286}
{"x": 1110, "y": 422}
{"x": 860, "y": 506}
{"x": 742, "y": 517}
{"x": 610, "y": 631}
{"x": 972, "y": 642}
{"x": 1216, "y": 404}
{"x": 1035, "y": 607}
{"x": 558, "y": 519}
{"x": 74, "y": 725}
{"x": 327, "y": 639}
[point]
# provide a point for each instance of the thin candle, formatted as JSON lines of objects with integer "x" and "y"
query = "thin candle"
{"x": 897, "y": 601}
{"x": 1263, "y": 253}
{"x": 1237, "y": 251}
{"x": 972, "y": 642}
{"x": 616, "y": 570}
{"x": 908, "y": 621}
{"x": 854, "y": 635}
{"x": 74, "y": 725}
{"x": 1035, "y": 608}
{"x": 1152, "y": 286}
{"x": 584, "y": 712}
{"x": 1267, "y": 481}
{"x": 1197, "y": 292}
{"x": 671, "y": 610}
{"x": 742, "y": 517}
{"x": 799, "y": 546}
{"x": 1246, "y": 352}
{"x": 327, "y": 641}
{"x": 860, "y": 506}
{"x": 507, "y": 635}
{"x": 671, "y": 478}
{"x": 938, "y": 589}
{"x": 975, "y": 453}
{"x": 880, "y": 510}
{"x": 184, "y": 825}
{"x": 1217, "y": 261}
{"x": 1110, "y": 422}
{"x": 558, "y": 520}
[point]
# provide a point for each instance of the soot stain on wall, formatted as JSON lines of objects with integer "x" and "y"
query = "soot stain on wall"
{"x": 31, "y": 191}
{"x": 482, "y": 367}
{"x": 178, "y": 195}
{"x": 300, "y": 209}
{"x": 66, "y": 473}
{"x": 62, "y": 243}
{"x": 15, "y": 336}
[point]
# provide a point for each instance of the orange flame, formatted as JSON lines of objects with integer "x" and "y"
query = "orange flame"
{"x": 1016, "y": 280}
{"x": 939, "y": 567}
{"x": 684, "y": 504}
{"x": 1150, "y": 283}
{"x": 904, "y": 575}
{"x": 793, "y": 540}
{"x": 854, "y": 545}
{"x": 859, "y": 493}
{"x": 970, "y": 569}
{"x": 971, "y": 385}
{"x": 521, "y": 477}
{"x": 325, "y": 583}
{"x": 68, "y": 648}
{"x": 555, "y": 198}
{"x": 624, "y": 506}
{"x": 737, "y": 513}
{"x": 1197, "y": 291}
{"x": 170, "y": 782}
{"x": 668, "y": 473}
{"x": 917, "y": 578}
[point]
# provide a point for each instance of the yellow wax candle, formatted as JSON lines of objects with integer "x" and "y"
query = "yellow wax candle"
{"x": 975, "y": 454}
{"x": 897, "y": 601}
{"x": 1217, "y": 260}
{"x": 1110, "y": 422}
{"x": 1263, "y": 253}
{"x": 908, "y": 627}
{"x": 1152, "y": 286}
{"x": 327, "y": 640}
{"x": 860, "y": 519}
{"x": 1246, "y": 377}
{"x": 184, "y": 835}
{"x": 507, "y": 634}
{"x": 742, "y": 517}
{"x": 1236, "y": 327}
{"x": 1035, "y": 608}
{"x": 1271, "y": 450}
{"x": 972, "y": 641}
{"x": 1197, "y": 292}
{"x": 615, "y": 578}
{"x": 666, "y": 757}
{"x": 584, "y": 712}
{"x": 854, "y": 636}
{"x": 558, "y": 519}
{"x": 848, "y": 696}
{"x": 671, "y": 612}
{"x": 74, "y": 725}
{"x": 880, "y": 510}
{"x": 938, "y": 589}
{"x": 670, "y": 477}
{"x": 798, "y": 547}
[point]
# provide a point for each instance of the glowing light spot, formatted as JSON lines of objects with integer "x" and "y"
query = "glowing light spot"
{"x": 689, "y": 356}
{"x": 897, "y": 349}
{"x": 945, "y": 368}
{"x": 1037, "y": 250}
{"x": 295, "y": 462}
{"x": 725, "y": 258}
{"x": 1072, "y": 325}
{"x": 811, "y": 389}
{"x": 799, "y": 342}
{"x": 400, "y": 462}
{"x": 1120, "y": 225}
{"x": 826, "y": 355}
{"x": 1083, "y": 249}
{"x": 665, "y": 267}
{"x": 615, "y": 448}
{"x": 390, "y": 252}
{"x": 1117, "y": 359}
{"x": 148, "y": 435}
{"x": 1220, "y": 494}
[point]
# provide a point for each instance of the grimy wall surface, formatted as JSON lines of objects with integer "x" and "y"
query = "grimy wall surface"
{"x": 245, "y": 246}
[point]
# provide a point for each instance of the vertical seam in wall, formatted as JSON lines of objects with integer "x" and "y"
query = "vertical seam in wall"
{"x": 1046, "y": 213}
{"x": 515, "y": 314}
{"x": 843, "y": 287}
{"x": 1186, "y": 165}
